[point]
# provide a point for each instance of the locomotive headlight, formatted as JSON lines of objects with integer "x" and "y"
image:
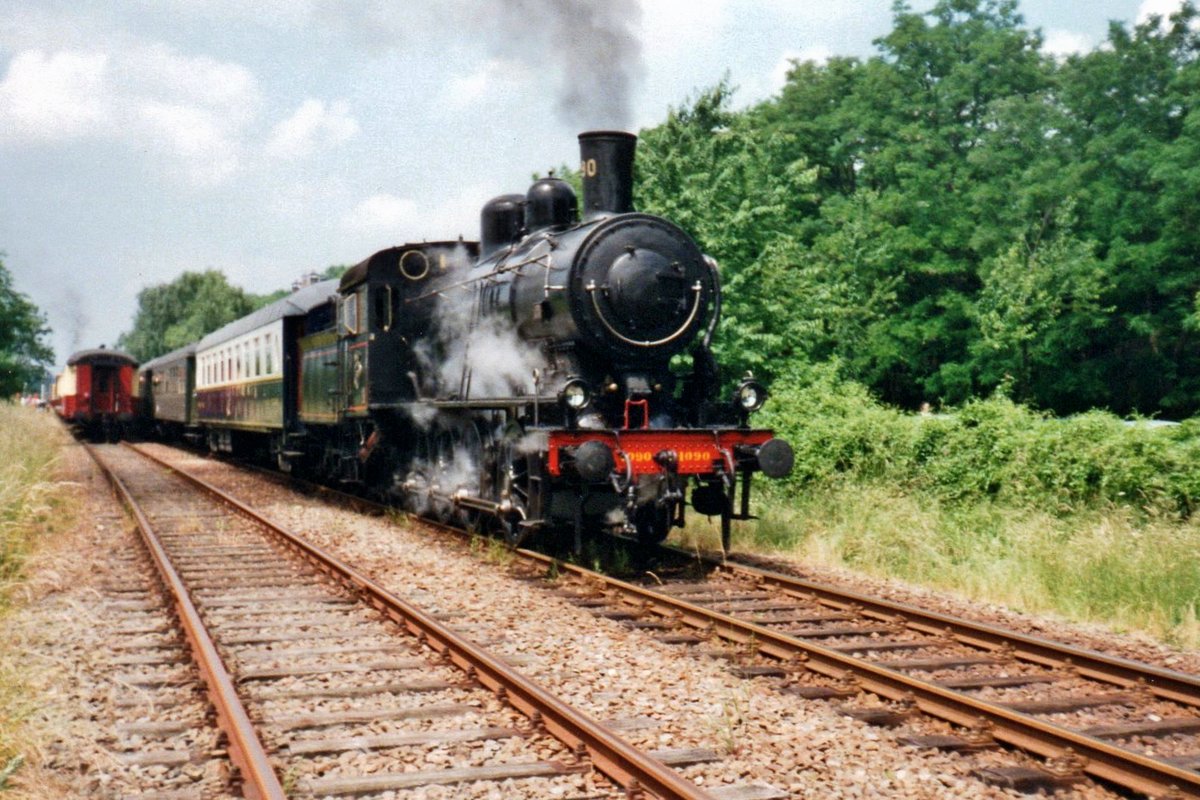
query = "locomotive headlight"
{"x": 750, "y": 395}
{"x": 575, "y": 395}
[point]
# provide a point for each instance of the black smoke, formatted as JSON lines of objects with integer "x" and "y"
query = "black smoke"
{"x": 587, "y": 51}
{"x": 589, "y": 47}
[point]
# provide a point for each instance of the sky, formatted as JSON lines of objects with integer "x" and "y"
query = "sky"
{"x": 140, "y": 139}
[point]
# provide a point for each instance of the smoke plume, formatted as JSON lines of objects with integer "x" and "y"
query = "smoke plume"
{"x": 588, "y": 50}
{"x": 589, "y": 45}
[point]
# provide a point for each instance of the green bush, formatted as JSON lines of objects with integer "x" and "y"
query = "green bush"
{"x": 987, "y": 449}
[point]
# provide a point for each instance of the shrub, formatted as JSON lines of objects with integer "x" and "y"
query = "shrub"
{"x": 990, "y": 448}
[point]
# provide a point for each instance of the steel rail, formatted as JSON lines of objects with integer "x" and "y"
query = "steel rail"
{"x": 246, "y": 750}
{"x": 628, "y": 767}
{"x": 1100, "y": 759}
{"x": 1167, "y": 684}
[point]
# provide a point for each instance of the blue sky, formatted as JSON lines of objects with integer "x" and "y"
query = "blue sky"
{"x": 143, "y": 138}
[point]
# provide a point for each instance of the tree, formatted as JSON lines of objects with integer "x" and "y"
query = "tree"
{"x": 739, "y": 193}
{"x": 958, "y": 212}
{"x": 171, "y": 315}
{"x": 1037, "y": 311}
{"x": 1132, "y": 115}
{"x": 24, "y": 355}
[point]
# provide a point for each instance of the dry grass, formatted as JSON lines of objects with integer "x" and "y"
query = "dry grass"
{"x": 1109, "y": 566}
{"x": 33, "y": 507}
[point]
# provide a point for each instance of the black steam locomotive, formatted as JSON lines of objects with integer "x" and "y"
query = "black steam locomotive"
{"x": 524, "y": 381}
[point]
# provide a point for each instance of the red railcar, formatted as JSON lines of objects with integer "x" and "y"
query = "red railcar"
{"x": 95, "y": 393}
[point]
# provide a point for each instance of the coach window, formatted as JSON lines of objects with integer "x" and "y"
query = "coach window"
{"x": 350, "y": 313}
{"x": 270, "y": 366}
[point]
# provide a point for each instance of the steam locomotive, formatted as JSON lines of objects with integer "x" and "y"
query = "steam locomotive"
{"x": 525, "y": 381}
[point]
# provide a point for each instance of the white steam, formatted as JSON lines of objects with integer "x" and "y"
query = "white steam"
{"x": 478, "y": 356}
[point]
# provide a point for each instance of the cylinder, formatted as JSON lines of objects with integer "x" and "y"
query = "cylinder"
{"x": 606, "y": 165}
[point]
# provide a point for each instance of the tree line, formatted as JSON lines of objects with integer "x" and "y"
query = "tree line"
{"x": 959, "y": 213}
{"x": 180, "y": 312}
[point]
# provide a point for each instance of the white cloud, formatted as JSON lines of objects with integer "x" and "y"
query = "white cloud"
{"x": 495, "y": 82}
{"x": 313, "y": 124}
{"x": 388, "y": 218}
{"x": 191, "y": 135}
{"x": 465, "y": 91}
{"x": 763, "y": 85}
{"x": 382, "y": 213}
{"x": 670, "y": 26}
{"x": 1060, "y": 43}
{"x": 53, "y": 96}
{"x": 1163, "y": 8}
{"x": 818, "y": 53}
{"x": 192, "y": 111}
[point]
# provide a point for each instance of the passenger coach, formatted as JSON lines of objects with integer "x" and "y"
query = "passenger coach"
{"x": 95, "y": 392}
{"x": 243, "y": 368}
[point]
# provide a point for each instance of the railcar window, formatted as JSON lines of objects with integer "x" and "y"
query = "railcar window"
{"x": 350, "y": 314}
{"x": 270, "y": 352}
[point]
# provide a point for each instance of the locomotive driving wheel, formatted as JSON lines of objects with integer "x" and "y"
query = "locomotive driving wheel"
{"x": 515, "y": 484}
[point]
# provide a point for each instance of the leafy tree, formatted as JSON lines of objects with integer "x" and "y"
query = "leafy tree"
{"x": 24, "y": 355}
{"x": 711, "y": 171}
{"x": 1038, "y": 307}
{"x": 1132, "y": 115}
{"x": 959, "y": 212}
{"x": 171, "y": 315}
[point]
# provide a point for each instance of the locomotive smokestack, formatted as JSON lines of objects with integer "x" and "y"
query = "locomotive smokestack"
{"x": 606, "y": 163}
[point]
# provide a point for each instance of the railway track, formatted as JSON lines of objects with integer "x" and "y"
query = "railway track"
{"x": 160, "y": 734}
{"x": 1131, "y": 724}
{"x": 323, "y": 683}
{"x": 944, "y": 682}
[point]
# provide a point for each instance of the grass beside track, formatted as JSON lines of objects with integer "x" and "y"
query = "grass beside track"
{"x": 1111, "y": 566}
{"x": 32, "y": 507}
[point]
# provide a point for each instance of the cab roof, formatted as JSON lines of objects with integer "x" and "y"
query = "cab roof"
{"x": 101, "y": 355}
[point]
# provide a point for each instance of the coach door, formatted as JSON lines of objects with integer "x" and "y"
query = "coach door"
{"x": 352, "y": 351}
{"x": 104, "y": 389}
